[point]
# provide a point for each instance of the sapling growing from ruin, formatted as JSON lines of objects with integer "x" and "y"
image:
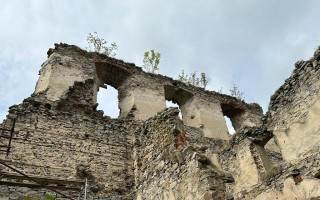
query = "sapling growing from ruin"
{"x": 235, "y": 92}
{"x": 193, "y": 79}
{"x": 203, "y": 80}
{"x": 151, "y": 61}
{"x": 100, "y": 45}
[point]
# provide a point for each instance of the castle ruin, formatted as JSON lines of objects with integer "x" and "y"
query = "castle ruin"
{"x": 60, "y": 139}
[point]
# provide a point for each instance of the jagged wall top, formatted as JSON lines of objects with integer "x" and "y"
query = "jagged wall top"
{"x": 141, "y": 94}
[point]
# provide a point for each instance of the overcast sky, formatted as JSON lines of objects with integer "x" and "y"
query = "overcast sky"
{"x": 251, "y": 43}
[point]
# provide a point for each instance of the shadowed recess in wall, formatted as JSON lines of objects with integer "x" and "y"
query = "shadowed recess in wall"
{"x": 230, "y": 109}
{"x": 111, "y": 73}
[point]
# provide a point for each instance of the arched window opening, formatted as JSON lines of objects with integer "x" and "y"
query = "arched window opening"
{"x": 178, "y": 95}
{"x": 231, "y": 111}
{"x": 231, "y": 130}
{"x": 171, "y": 104}
{"x": 107, "y": 99}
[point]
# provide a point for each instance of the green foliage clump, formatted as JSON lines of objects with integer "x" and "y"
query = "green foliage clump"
{"x": 100, "y": 45}
{"x": 193, "y": 79}
{"x": 151, "y": 61}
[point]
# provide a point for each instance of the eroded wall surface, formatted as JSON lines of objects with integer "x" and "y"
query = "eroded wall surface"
{"x": 294, "y": 110}
{"x": 60, "y": 134}
{"x": 60, "y": 71}
{"x": 169, "y": 167}
{"x": 54, "y": 143}
{"x": 279, "y": 160}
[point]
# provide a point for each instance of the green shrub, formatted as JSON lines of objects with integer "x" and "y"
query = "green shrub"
{"x": 193, "y": 79}
{"x": 151, "y": 61}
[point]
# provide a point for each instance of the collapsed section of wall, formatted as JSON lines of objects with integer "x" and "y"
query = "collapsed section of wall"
{"x": 166, "y": 167}
{"x": 61, "y": 70}
{"x": 294, "y": 110}
{"x": 147, "y": 153}
{"x": 142, "y": 95}
{"x": 55, "y": 143}
{"x": 289, "y": 166}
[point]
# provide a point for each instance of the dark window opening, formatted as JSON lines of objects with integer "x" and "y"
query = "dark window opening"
{"x": 108, "y": 101}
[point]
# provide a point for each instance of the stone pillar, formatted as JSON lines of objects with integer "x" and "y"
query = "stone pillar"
{"x": 56, "y": 76}
{"x": 249, "y": 174}
{"x": 253, "y": 163}
{"x": 206, "y": 115}
{"x": 143, "y": 103}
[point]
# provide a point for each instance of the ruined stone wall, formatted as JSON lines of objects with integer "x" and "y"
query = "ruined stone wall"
{"x": 148, "y": 152}
{"x": 257, "y": 176}
{"x": 200, "y": 108}
{"x": 60, "y": 131}
{"x": 297, "y": 180}
{"x": 167, "y": 167}
{"x": 246, "y": 160}
{"x": 57, "y": 143}
{"x": 279, "y": 160}
{"x": 142, "y": 95}
{"x": 61, "y": 70}
{"x": 294, "y": 110}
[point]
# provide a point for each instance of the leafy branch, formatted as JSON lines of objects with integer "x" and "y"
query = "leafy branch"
{"x": 151, "y": 61}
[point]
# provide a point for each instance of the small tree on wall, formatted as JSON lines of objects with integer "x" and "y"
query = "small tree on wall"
{"x": 203, "y": 80}
{"x": 193, "y": 79}
{"x": 235, "y": 92}
{"x": 100, "y": 45}
{"x": 151, "y": 61}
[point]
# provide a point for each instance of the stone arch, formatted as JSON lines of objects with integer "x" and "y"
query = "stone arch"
{"x": 110, "y": 74}
{"x": 233, "y": 112}
{"x": 178, "y": 96}
{"x": 198, "y": 112}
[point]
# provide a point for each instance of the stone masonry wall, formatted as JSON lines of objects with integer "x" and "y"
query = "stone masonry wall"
{"x": 292, "y": 128}
{"x": 60, "y": 144}
{"x": 141, "y": 94}
{"x": 294, "y": 110}
{"x": 148, "y": 152}
{"x": 167, "y": 168}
